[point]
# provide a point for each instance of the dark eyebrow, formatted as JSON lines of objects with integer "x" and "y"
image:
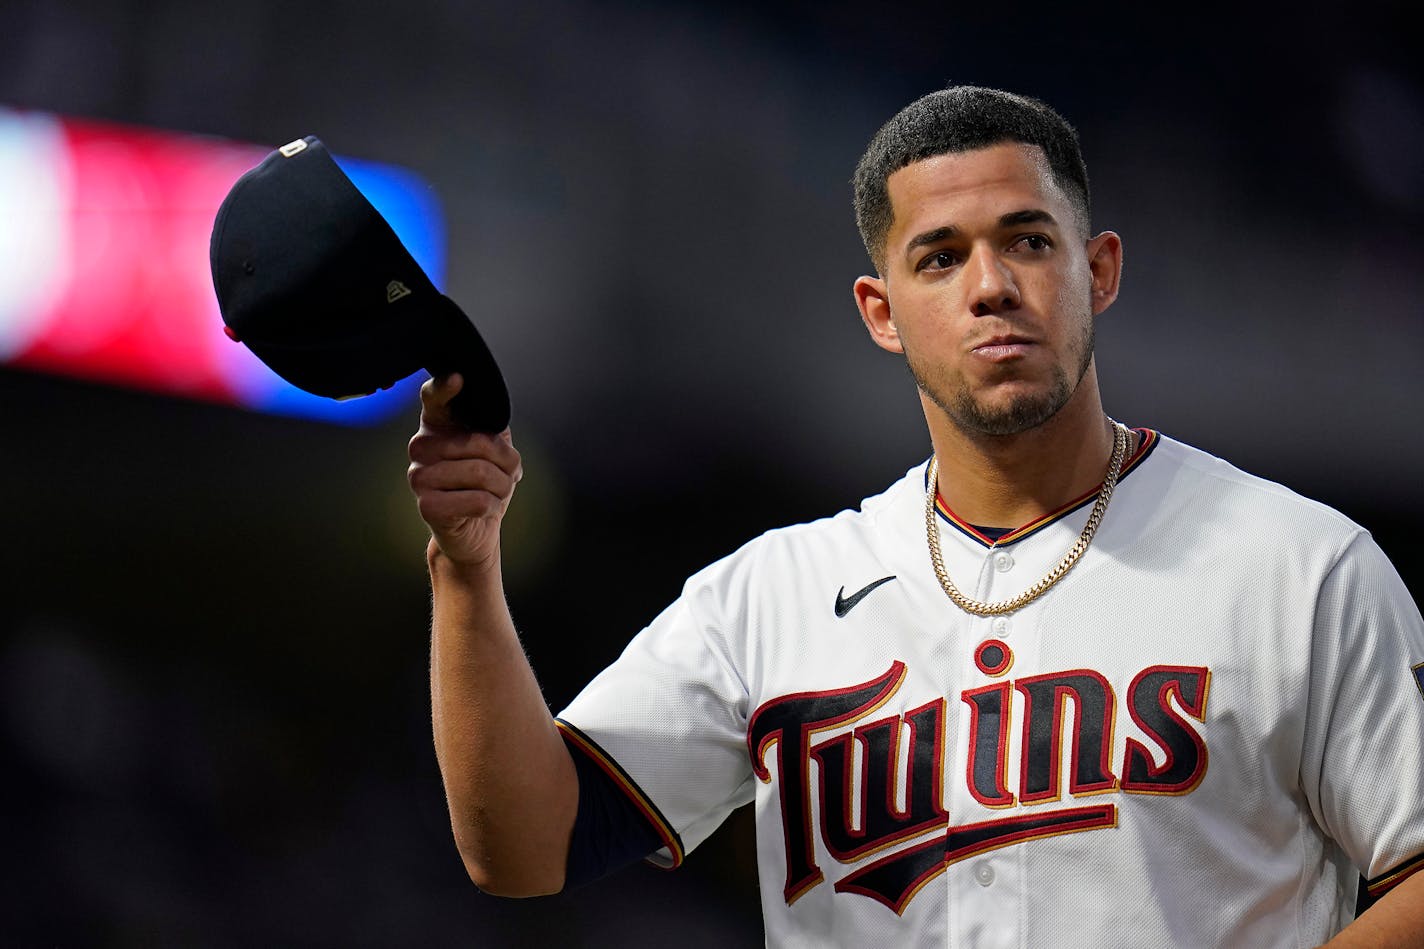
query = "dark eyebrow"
{"x": 931, "y": 237}
{"x": 1012, "y": 219}
{"x": 1029, "y": 216}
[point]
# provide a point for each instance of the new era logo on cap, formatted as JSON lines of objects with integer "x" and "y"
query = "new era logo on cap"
{"x": 304, "y": 268}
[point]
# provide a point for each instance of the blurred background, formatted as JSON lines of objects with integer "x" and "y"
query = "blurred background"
{"x": 214, "y": 724}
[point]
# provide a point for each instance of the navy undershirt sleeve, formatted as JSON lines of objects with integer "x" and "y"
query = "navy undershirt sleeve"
{"x": 609, "y": 832}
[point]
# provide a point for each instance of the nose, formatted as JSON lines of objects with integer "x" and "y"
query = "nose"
{"x": 992, "y": 288}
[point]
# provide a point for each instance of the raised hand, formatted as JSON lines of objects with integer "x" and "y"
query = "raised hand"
{"x": 462, "y": 480}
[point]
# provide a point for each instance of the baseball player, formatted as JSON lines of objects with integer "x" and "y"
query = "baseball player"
{"x": 1065, "y": 683}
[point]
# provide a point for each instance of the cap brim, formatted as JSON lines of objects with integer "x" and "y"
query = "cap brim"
{"x": 456, "y": 346}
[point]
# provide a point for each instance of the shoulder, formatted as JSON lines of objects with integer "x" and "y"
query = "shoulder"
{"x": 879, "y": 526}
{"x": 1192, "y": 484}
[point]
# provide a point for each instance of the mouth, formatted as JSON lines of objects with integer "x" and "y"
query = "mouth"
{"x": 1005, "y": 346}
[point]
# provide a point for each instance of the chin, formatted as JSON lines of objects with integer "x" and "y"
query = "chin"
{"x": 1019, "y": 414}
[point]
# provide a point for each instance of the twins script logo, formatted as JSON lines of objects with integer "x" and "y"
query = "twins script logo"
{"x": 853, "y": 827}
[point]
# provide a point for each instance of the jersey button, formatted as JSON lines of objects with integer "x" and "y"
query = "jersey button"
{"x": 1003, "y": 563}
{"x": 983, "y": 874}
{"x": 1000, "y": 626}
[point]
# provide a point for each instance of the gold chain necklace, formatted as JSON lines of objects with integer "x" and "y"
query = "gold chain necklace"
{"x": 1121, "y": 437}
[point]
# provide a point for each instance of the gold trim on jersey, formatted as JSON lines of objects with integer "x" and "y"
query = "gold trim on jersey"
{"x": 1388, "y": 881}
{"x": 1148, "y": 440}
{"x": 590, "y": 748}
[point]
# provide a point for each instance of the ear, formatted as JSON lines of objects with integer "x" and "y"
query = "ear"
{"x": 1105, "y": 262}
{"x": 873, "y": 300}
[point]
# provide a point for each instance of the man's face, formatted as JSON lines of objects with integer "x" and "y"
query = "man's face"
{"x": 990, "y": 287}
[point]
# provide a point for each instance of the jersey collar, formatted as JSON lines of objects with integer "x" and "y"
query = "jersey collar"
{"x": 1147, "y": 442}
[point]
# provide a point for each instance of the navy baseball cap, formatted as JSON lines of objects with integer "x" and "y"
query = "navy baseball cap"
{"x": 315, "y": 282}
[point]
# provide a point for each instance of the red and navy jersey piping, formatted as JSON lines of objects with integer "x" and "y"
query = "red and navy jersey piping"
{"x": 577, "y": 740}
{"x": 1385, "y": 882}
{"x": 1149, "y": 441}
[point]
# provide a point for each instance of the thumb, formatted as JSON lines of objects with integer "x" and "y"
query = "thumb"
{"x": 435, "y": 396}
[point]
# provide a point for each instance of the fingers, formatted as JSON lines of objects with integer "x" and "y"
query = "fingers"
{"x": 445, "y": 510}
{"x": 466, "y": 463}
{"x": 465, "y": 474}
{"x": 435, "y": 396}
{"x": 457, "y": 474}
{"x": 449, "y": 492}
{"x": 462, "y": 480}
{"x": 431, "y": 446}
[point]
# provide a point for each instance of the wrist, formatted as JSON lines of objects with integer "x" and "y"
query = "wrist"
{"x": 475, "y": 570}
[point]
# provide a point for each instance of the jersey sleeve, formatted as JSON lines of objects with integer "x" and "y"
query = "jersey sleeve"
{"x": 1361, "y": 767}
{"x": 612, "y": 829}
{"x": 668, "y": 717}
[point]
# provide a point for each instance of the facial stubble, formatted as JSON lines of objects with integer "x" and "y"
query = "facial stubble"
{"x": 1023, "y": 413}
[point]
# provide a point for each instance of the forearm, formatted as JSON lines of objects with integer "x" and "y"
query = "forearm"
{"x": 1397, "y": 920}
{"x": 510, "y": 784}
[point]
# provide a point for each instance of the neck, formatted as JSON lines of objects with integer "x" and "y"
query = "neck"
{"x": 1010, "y": 480}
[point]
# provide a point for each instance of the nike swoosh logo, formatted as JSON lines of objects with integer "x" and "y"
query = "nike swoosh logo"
{"x": 844, "y": 604}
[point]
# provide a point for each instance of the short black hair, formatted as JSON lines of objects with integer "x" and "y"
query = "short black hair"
{"x": 961, "y": 119}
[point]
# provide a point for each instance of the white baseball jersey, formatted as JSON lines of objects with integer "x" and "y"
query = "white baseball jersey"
{"x": 1198, "y": 738}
